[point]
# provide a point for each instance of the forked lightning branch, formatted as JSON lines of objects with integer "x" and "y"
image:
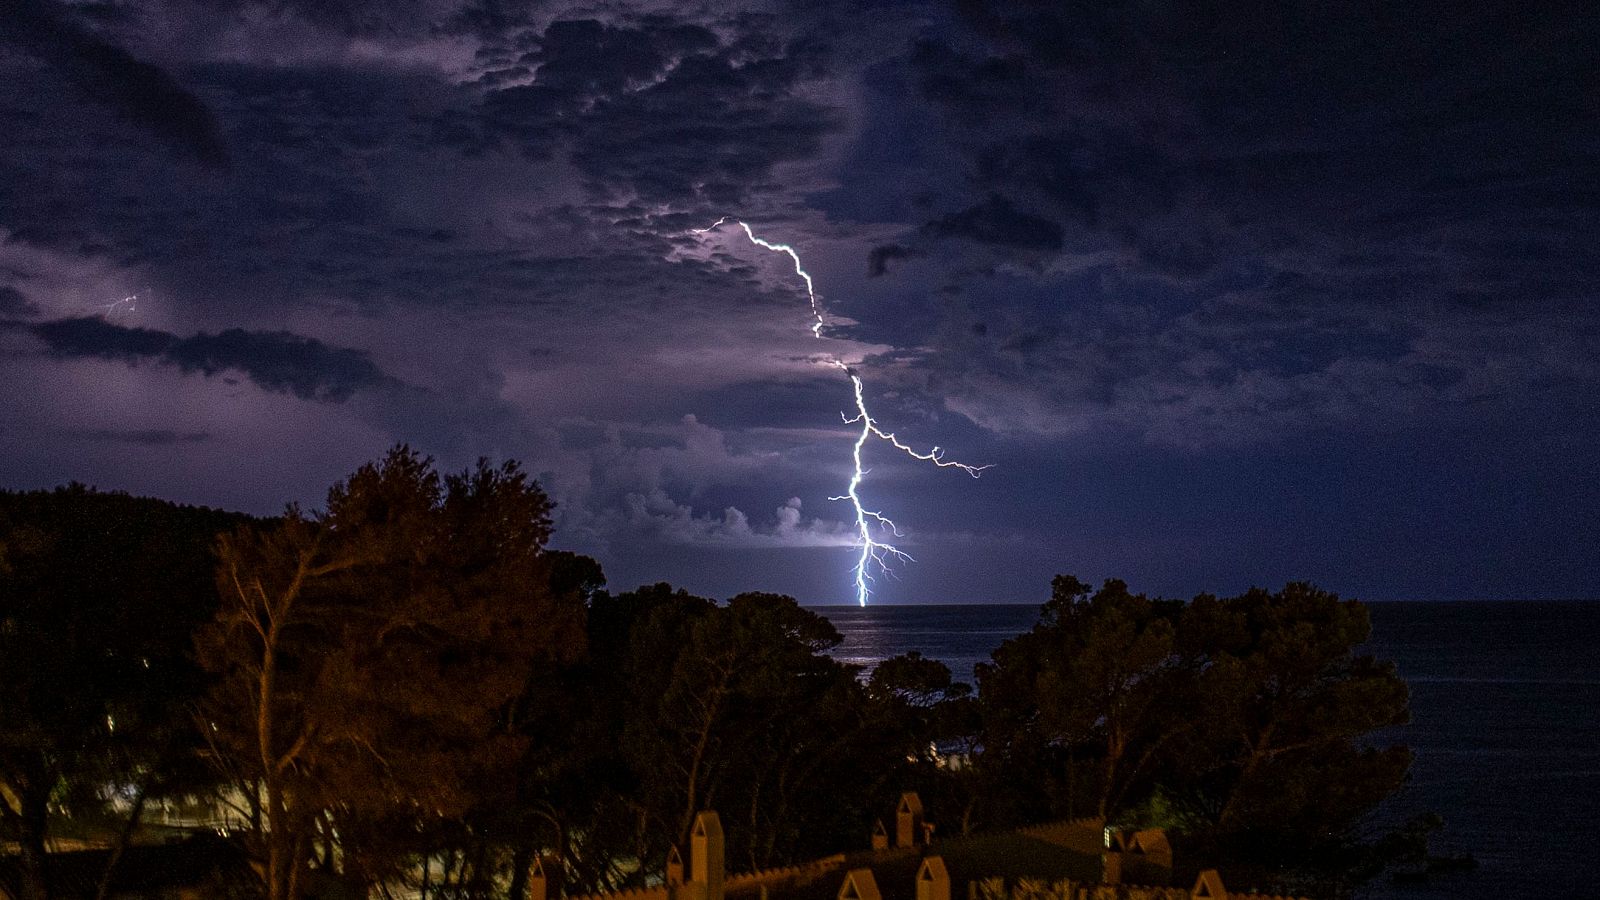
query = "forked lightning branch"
{"x": 874, "y": 530}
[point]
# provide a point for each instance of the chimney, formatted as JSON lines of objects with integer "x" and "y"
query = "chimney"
{"x": 859, "y": 885}
{"x": 933, "y": 879}
{"x": 538, "y": 884}
{"x": 1149, "y": 858}
{"x": 880, "y": 836}
{"x": 706, "y": 852}
{"x": 1209, "y": 886}
{"x": 908, "y": 820}
{"x": 1111, "y": 867}
{"x": 674, "y": 866}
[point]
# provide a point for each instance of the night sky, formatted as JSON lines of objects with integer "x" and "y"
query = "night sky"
{"x": 1228, "y": 293}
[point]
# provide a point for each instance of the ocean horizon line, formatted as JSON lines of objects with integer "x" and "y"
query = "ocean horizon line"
{"x": 1014, "y": 603}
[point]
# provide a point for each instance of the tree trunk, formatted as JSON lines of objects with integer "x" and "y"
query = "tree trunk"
{"x": 33, "y": 799}
{"x": 124, "y": 837}
{"x": 276, "y": 831}
{"x": 711, "y": 711}
{"x": 282, "y": 843}
{"x": 754, "y": 828}
{"x": 297, "y": 848}
{"x": 1256, "y": 753}
{"x": 478, "y": 887}
{"x": 31, "y": 854}
{"x": 35, "y": 885}
{"x": 521, "y": 861}
{"x": 1116, "y": 745}
{"x": 1072, "y": 780}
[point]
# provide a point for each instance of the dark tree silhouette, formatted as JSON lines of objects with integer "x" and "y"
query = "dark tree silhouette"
{"x": 685, "y": 704}
{"x": 369, "y": 656}
{"x": 1242, "y": 722}
{"x": 99, "y": 593}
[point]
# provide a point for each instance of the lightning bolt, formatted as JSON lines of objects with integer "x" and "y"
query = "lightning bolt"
{"x": 876, "y": 551}
{"x": 811, "y": 289}
{"x": 129, "y": 303}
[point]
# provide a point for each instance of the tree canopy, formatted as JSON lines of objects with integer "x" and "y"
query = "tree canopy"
{"x": 408, "y": 686}
{"x": 99, "y": 596}
{"x": 367, "y": 658}
{"x": 1243, "y": 722}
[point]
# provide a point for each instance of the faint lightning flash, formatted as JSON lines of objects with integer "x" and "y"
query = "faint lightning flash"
{"x": 874, "y": 551}
{"x": 129, "y": 303}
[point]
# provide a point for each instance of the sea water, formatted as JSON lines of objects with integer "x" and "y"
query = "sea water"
{"x": 1505, "y": 723}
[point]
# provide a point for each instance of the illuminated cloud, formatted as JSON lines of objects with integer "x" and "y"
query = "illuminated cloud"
{"x": 1311, "y": 262}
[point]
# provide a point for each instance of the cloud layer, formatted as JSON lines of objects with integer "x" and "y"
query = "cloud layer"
{"x": 276, "y": 361}
{"x": 1229, "y": 294}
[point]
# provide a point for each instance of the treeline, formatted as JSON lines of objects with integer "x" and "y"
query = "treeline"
{"x": 1244, "y": 725}
{"x": 407, "y": 686}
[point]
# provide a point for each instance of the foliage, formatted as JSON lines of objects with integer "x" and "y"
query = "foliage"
{"x": 409, "y": 681}
{"x": 1243, "y": 721}
{"x": 368, "y": 657}
{"x": 99, "y": 593}
{"x": 692, "y": 705}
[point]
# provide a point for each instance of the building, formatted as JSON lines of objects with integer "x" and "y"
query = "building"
{"x": 1071, "y": 860}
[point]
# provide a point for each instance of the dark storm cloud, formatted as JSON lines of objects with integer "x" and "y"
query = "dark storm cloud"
{"x": 144, "y": 93}
{"x": 1251, "y": 213}
{"x": 13, "y": 303}
{"x": 342, "y": 188}
{"x": 879, "y": 257}
{"x": 660, "y": 108}
{"x": 996, "y": 221}
{"x": 276, "y": 361}
{"x": 302, "y": 210}
{"x": 1197, "y": 137}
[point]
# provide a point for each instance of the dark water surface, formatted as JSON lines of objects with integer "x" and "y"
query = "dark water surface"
{"x": 1505, "y": 702}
